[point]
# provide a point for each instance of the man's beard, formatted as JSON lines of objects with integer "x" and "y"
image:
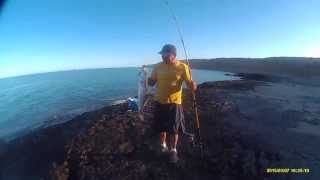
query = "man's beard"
{"x": 168, "y": 61}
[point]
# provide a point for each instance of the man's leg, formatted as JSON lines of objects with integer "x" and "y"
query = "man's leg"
{"x": 176, "y": 124}
{"x": 163, "y": 137}
{"x": 173, "y": 147}
{"x": 174, "y": 141}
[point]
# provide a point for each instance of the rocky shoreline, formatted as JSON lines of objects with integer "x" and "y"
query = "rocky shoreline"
{"x": 113, "y": 143}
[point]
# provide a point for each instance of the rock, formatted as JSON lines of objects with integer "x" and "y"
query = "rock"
{"x": 126, "y": 147}
{"x": 115, "y": 144}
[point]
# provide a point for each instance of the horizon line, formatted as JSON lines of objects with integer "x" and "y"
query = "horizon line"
{"x": 66, "y": 70}
{"x": 109, "y": 67}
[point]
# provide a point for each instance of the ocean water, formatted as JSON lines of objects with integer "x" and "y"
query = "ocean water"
{"x": 40, "y": 100}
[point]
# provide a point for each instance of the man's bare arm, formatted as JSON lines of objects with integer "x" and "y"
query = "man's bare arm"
{"x": 188, "y": 79}
{"x": 192, "y": 85}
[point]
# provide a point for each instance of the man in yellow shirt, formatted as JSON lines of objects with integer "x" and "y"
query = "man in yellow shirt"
{"x": 168, "y": 77}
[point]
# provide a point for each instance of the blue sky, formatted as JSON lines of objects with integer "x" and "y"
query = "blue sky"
{"x": 50, "y": 35}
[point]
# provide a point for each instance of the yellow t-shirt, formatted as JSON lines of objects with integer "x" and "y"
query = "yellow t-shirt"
{"x": 169, "y": 79}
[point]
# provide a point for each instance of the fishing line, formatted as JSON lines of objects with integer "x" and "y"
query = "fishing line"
{"x": 178, "y": 29}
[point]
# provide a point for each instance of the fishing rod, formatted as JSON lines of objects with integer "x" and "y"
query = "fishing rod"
{"x": 197, "y": 120}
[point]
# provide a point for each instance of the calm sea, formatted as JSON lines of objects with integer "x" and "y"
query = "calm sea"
{"x": 39, "y": 100}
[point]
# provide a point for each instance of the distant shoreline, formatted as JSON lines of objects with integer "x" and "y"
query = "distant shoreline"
{"x": 298, "y": 70}
{"x": 67, "y": 70}
{"x": 297, "y": 67}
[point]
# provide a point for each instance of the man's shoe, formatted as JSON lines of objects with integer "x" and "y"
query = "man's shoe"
{"x": 164, "y": 149}
{"x": 173, "y": 156}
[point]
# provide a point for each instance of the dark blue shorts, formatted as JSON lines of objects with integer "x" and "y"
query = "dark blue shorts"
{"x": 169, "y": 118}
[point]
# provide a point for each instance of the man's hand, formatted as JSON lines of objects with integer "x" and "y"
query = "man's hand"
{"x": 193, "y": 85}
{"x": 151, "y": 82}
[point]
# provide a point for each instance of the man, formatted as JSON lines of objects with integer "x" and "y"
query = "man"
{"x": 168, "y": 77}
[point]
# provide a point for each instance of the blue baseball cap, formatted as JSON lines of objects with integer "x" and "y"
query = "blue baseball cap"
{"x": 168, "y": 48}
